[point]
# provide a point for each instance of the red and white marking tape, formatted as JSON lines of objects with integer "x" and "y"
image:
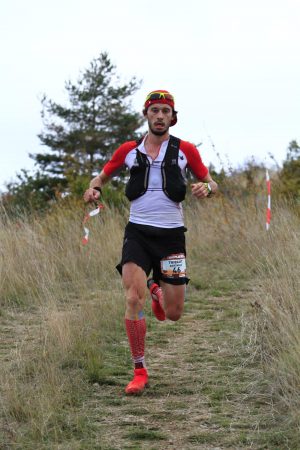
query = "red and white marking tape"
{"x": 268, "y": 218}
{"x": 92, "y": 213}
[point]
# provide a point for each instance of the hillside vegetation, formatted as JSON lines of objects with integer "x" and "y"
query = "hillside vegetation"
{"x": 64, "y": 356}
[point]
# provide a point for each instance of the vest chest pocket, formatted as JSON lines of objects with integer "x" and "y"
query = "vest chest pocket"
{"x": 174, "y": 184}
{"x": 139, "y": 176}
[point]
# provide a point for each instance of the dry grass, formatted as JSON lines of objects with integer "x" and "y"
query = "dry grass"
{"x": 276, "y": 302}
{"x": 236, "y": 244}
{"x": 73, "y": 316}
{"x": 269, "y": 262}
{"x": 44, "y": 259}
{"x": 72, "y": 323}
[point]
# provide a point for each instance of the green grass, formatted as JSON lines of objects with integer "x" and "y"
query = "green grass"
{"x": 144, "y": 434}
{"x": 206, "y": 438}
{"x": 70, "y": 362}
{"x": 220, "y": 380}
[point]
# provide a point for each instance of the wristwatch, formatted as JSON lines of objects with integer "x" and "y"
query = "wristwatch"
{"x": 209, "y": 189}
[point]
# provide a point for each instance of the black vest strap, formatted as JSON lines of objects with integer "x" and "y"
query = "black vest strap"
{"x": 173, "y": 183}
{"x": 171, "y": 156}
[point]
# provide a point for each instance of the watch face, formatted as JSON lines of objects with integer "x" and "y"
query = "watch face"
{"x": 208, "y": 187}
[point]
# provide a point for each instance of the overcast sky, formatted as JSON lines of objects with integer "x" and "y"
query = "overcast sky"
{"x": 232, "y": 65}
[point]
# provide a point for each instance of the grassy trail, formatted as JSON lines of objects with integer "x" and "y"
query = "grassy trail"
{"x": 201, "y": 379}
{"x": 64, "y": 357}
{"x": 200, "y": 387}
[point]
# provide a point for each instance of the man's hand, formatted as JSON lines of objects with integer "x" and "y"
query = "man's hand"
{"x": 200, "y": 190}
{"x": 91, "y": 195}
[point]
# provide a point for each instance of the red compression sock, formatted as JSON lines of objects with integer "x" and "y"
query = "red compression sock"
{"x": 136, "y": 333}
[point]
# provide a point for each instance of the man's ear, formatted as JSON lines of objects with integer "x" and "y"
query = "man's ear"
{"x": 145, "y": 111}
{"x": 174, "y": 118}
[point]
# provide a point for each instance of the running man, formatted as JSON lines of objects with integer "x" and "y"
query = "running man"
{"x": 154, "y": 237}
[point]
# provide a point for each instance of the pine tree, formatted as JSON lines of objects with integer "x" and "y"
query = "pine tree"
{"x": 84, "y": 134}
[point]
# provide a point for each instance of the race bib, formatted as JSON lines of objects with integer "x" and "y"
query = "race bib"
{"x": 173, "y": 266}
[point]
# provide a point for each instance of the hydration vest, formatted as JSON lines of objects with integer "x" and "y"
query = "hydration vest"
{"x": 173, "y": 183}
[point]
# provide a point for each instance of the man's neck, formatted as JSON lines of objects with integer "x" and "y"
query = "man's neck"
{"x": 153, "y": 139}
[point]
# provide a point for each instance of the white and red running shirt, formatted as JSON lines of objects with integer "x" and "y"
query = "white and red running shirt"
{"x": 154, "y": 207}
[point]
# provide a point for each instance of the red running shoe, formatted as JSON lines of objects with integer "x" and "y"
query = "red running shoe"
{"x": 156, "y": 295}
{"x": 139, "y": 382}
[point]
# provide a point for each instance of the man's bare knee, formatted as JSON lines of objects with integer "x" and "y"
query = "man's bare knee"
{"x": 134, "y": 281}
{"x": 173, "y": 315}
{"x": 134, "y": 301}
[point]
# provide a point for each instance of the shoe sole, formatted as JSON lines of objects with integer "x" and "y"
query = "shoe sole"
{"x": 139, "y": 392}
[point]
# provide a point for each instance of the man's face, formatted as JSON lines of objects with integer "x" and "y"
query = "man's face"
{"x": 159, "y": 117}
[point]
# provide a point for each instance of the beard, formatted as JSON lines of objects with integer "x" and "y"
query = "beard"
{"x": 158, "y": 132}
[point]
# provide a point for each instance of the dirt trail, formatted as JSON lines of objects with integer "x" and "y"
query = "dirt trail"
{"x": 199, "y": 393}
{"x": 200, "y": 387}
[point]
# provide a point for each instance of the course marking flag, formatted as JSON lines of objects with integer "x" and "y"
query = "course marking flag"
{"x": 92, "y": 213}
{"x": 268, "y": 218}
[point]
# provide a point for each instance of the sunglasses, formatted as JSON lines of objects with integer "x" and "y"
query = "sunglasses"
{"x": 159, "y": 96}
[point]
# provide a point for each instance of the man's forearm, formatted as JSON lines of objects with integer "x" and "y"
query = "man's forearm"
{"x": 99, "y": 180}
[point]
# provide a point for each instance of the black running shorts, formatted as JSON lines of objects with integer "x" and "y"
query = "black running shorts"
{"x": 159, "y": 249}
